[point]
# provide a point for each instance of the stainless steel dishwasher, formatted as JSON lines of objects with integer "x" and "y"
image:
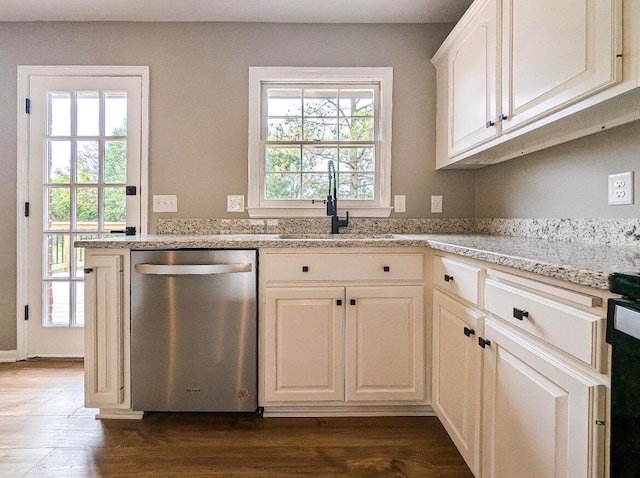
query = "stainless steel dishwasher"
{"x": 194, "y": 330}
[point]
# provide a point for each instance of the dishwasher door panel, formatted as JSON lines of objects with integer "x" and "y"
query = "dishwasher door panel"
{"x": 194, "y": 331}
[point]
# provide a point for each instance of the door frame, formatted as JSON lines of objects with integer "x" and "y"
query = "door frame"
{"x": 22, "y": 184}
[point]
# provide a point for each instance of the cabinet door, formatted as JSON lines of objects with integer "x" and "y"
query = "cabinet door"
{"x": 304, "y": 333}
{"x": 104, "y": 331}
{"x": 554, "y": 54}
{"x": 385, "y": 343}
{"x": 473, "y": 82}
{"x": 456, "y": 374}
{"x": 540, "y": 417}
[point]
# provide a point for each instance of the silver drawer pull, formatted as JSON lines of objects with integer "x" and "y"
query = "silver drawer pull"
{"x": 191, "y": 269}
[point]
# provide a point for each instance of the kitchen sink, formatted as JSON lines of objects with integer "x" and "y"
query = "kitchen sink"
{"x": 338, "y": 237}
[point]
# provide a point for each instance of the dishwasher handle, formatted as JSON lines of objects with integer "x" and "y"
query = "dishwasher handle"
{"x": 191, "y": 269}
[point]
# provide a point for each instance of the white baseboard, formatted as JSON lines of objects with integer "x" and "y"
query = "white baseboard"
{"x": 349, "y": 411}
{"x": 56, "y": 357}
{"x": 116, "y": 414}
{"x": 8, "y": 355}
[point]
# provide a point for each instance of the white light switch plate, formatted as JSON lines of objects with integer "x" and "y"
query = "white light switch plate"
{"x": 235, "y": 203}
{"x": 436, "y": 204}
{"x": 165, "y": 203}
{"x": 400, "y": 203}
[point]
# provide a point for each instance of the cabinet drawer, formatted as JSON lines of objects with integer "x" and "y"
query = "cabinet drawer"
{"x": 342, "y": 267}
{"x": 571, "y": 330}
{"x": 457, "y": 277}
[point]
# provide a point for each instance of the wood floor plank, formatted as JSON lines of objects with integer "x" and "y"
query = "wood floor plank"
{"x": 45, "y": 432}
{"x": 18, "y": 461}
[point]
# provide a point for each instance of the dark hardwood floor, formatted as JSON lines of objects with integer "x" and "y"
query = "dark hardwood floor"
{"x": 46, "y": 432}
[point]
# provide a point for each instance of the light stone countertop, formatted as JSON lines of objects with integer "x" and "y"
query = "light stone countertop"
{"x": 579, "y": 263}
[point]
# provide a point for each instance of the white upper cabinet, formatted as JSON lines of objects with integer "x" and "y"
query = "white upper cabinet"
{"x": 554, "y": 53}
{"x": 473, "y": 71}
{"x": 516, "y": 76}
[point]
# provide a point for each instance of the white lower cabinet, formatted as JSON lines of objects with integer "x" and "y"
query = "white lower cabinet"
{"x": 456, "y": 373}
{"x": 344, "y": 344}
{"x": 106, "y": 359}
{"x": 384, "y": 343}
{"x": 340, "y": 344}
{"x": 304, "y": 337}
{"x": 541, "y": 417}
{"x": 517, "y": 399}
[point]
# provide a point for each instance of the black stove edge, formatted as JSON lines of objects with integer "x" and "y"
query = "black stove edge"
{"x": 627, "y": 284}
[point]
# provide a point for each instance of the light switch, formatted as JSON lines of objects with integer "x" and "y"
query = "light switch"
{"x": 235, "y": 203}
{"x": 400, "y": 203}
{"x": 165, "y": 203}
{"x": 436, "y": 204}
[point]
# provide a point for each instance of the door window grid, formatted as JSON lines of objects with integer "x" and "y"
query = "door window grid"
{"x": 84, "y": 191}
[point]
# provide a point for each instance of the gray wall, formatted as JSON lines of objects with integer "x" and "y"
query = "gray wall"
{"x": 198, "y": 107}
{"x": 566, "y": 181}
{"x": 198, "y": 124}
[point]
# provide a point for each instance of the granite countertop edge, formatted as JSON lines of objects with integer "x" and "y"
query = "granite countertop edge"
{"x": 579, "y": 263}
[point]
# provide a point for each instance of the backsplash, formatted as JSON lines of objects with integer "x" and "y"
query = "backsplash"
{"x": 591, "y": 231}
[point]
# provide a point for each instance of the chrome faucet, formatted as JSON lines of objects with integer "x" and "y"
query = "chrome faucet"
{"x": 332, "y": 202}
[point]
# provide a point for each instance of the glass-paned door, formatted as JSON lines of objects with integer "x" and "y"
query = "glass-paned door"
{"x": 85, "y": 136}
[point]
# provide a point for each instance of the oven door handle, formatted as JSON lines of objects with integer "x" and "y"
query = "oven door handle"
{"x": 191, "y": 269}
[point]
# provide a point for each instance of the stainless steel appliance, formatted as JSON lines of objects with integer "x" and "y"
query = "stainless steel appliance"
{"x": 194, "y": 330}
{"x": 623, "y": 333}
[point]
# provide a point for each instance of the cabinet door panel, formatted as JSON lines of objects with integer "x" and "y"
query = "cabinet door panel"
{"x": 554, "y": 53}
{"x": 104, "y": 333}
{"x": 385, "y": 343}
{"x": 456, "y": 374}
{"x": 304, "y": 344}
{"x": 540, "y": 416}
{"x": 473, "y": 85}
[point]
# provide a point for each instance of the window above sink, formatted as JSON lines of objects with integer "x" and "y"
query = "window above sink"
{"x": 299, "y": 119}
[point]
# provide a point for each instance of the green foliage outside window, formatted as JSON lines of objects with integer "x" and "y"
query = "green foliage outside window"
{"x": 327, "y": 125}
{"x": 87, "y": 171}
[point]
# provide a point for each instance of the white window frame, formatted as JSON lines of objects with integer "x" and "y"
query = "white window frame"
{"x": 381, "y": 207}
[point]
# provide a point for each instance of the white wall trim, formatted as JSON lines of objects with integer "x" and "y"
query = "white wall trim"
{"x": 22, "y": 226}
{"x": 24, "y": 76}
{"x": 350, "y": 411}
{"x": 8, "y": 356}
{"x": 270, "y": 212}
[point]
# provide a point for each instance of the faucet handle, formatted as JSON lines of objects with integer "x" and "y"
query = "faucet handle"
{"x": 331, "y": 206}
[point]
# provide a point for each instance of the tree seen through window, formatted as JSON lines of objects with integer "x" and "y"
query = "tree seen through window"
{"x": 86, "y": 180}
{"x": 305, "y": 128}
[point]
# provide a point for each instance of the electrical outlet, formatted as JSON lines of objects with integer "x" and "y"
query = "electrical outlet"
{"x": 621, "y": 189}
{"x": 400, "y": 203}
{"x": 235, "y": 203}
{"x": 165, "y": 203}
{"x": 436, "y": 204}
